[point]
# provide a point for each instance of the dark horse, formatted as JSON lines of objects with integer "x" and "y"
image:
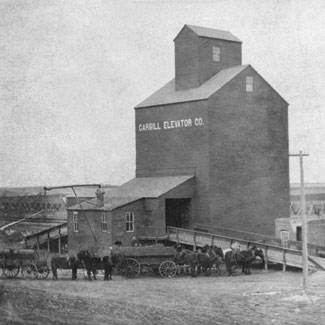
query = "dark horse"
{"x": 186, "y": 257}
{"x": 244, "y": 258}
{"x": 204, "y": 259}
{"x": 91, "y": 263}
{"x": 84, "y": 259}
{"x": 208, "y": 257}
{"x": 65, "y": 263}
{"x": 109, "y": 262}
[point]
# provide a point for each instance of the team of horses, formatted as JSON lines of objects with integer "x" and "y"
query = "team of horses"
{"x": 202, "y": 260}
{"x": 87, "y": 260}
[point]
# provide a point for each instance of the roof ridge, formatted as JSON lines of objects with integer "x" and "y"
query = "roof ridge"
{"x": 168, "y": 95}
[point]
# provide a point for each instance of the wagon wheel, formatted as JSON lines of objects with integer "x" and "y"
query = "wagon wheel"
{"x": 167, "y": 269}
{"x": 29, "y": 271}
{"x": 131, "y": 268}
{"x": 11, "y": 271}
{"x": 42, "y": 271}
{"x": 120, "y": 268}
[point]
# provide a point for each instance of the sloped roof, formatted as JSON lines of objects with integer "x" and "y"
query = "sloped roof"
{"x": 213, "y": 33}
{"x": 168, "y": 95}
{"x": 136, "y": 189}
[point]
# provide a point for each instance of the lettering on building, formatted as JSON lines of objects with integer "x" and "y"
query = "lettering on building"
{"x": 172, "y": 124}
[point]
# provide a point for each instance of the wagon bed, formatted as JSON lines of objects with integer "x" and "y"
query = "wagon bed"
{"x": 156, "y": 257}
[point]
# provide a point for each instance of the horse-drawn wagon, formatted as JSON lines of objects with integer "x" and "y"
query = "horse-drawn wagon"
{"x": 26, "y": 261}
{"x": 136, "y": 259}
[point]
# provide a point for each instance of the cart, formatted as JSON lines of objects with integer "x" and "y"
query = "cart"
{"x": 26, "y": 261}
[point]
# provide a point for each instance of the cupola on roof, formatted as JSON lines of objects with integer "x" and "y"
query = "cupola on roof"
{"x": 202, "y": 52}
{"x": 212, "y": 33}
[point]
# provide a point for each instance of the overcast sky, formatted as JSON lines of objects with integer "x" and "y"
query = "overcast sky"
{"x": 72, "y": 71}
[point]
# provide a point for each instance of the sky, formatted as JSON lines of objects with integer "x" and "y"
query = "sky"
{"x": 71, "y": 73}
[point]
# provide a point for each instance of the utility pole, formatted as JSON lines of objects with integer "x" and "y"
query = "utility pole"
{"x": 304, "y": 221}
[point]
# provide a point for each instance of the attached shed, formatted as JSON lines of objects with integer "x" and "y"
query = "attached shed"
{"x": 140, "y": 207}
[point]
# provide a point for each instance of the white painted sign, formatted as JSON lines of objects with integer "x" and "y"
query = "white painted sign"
{"x": 172, "y": 124}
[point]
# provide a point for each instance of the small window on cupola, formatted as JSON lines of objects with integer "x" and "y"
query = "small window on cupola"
{"x": 249, "y": 84}
{"x": 216, "y": 54}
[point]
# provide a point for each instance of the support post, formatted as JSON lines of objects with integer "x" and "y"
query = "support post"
{"x": 60, "y": 240}
{"x": 284, "y": 261}
{"x": 304, "y": 224}
{"x": 266, "y": 258}
{"x": 212, "y": 240}
{"x": 48, "y": 241}
{"x": 303, "y": 221}
{"x": 194, "y": 240}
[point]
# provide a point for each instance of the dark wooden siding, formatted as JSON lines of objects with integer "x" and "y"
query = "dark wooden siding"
{"x": 89, "y": 228}
{"x": 249, "y": 170}
{"x": 176, "y": 151}
{"x": 186, "y": 60}
{"x": 230, "y": 55}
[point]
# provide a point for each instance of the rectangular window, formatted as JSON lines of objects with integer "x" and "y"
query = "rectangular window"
{"x": 104, "y": 222}
{"x": 129, "y": 221}
{"x": 284, "y": 234}
{"x": 216, "y": 54}
{"x": 249, "y": 84}
{"x": 75, "y": 221}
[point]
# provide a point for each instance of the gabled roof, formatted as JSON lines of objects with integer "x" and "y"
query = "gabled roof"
{"x": 211, "y": 33}
{"x": 134, "y": 190}
{"x": 168, "y": 95}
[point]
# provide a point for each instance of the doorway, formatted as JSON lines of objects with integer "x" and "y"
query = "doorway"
{"x": 299, "y": 234}
{"x": 178, "y": 213}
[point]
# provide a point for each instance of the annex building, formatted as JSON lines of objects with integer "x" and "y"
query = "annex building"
{"x": 211, "y": 148}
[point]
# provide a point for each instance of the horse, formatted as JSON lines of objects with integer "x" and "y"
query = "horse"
{"x": 220, "y": 258}
{"x": 244, "y": 258}
{"x": 251, "y": 256}
{"x": 65, "y": 263}
{"x": 208, "y": 257}
{"x": 187, "y": 257}
{"x": 91, "y": 262}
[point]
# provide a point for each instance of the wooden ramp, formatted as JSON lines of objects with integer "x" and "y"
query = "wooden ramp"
{"x": 273, "y": 254}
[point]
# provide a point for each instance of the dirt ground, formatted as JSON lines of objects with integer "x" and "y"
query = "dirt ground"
{"x": 264, "y": 297}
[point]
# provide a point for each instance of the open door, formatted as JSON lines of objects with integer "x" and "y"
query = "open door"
{"x": 178, "y": 213}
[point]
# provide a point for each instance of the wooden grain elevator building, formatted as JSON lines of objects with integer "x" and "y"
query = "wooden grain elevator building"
{"x": 211, "y": 148}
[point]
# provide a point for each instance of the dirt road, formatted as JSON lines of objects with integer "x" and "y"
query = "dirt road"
{"x": 265, "y": 297}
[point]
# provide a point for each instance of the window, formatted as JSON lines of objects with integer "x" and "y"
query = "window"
{"x": 129, "y": 221}
{"x": 284, "y": 235}
{"x": 249, "y": 84}
{"x": 104, "y": 222}
{"x": 216, "y": 54}
{"x": 75, "y": 221}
